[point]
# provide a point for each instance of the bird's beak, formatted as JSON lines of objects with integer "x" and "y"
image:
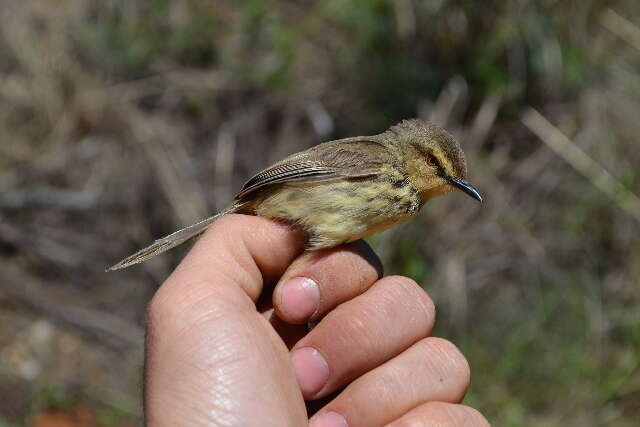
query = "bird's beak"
{"x": 466, "y": 187}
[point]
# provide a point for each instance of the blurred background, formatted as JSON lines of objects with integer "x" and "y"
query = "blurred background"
{"x": 121, "y": 121}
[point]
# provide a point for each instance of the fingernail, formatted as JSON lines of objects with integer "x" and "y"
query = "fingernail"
{"x": 300, "y": 298}
{"x": 312, "y": 370}
{"x": 329, "y": 419}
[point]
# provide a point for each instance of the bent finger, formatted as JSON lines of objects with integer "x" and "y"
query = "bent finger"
{"x": 318, "y": 281}
{"x": 240, "y": 251}
{"x": 354, "y": 338}
{"x": 433, "y": 369}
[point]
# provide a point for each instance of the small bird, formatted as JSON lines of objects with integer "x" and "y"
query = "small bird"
{"x": 343, "y": 190}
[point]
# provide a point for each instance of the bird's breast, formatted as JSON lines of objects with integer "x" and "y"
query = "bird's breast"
{"x": 342, "y": 211}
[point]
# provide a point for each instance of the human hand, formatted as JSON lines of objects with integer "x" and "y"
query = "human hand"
{"x": 213, "y": 358}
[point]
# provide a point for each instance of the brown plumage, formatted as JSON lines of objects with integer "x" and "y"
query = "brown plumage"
{"x": 347, "y": 189}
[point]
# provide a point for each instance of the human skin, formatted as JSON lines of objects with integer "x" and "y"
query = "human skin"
{"x": 221, "y": 352}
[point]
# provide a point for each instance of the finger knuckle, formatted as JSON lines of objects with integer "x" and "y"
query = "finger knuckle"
{"x": 356, "y": 332}
{"x": 183, "y": 302}
{"x": 166, "y": 304}
{"x": 231, "y": 228}
{"x": 158, "y": 306}
{"x": 407, "y": 287}
{"x": 449, "y": 358}
{"x": 159, "y": 309}
{"x": 412, "y": 292}
{"x": 355, "y": 326}
{"x": 228, "y": 221}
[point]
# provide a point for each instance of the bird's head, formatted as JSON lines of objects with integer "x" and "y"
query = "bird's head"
{"x": 433, "y": 158}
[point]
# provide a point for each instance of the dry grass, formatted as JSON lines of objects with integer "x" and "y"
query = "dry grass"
{"x": 122, "y": 120}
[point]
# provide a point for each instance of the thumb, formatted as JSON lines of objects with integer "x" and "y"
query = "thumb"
{"x": 246, "y": 251}
{"x": 208, "y": 350}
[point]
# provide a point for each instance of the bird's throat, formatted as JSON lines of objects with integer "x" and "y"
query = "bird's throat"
{"x": 430, "y": 193}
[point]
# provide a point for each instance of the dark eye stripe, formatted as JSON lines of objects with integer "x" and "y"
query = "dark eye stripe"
{"x": 430, "y": 157}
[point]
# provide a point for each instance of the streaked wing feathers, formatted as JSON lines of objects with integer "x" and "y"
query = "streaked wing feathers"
{"x": 351, "y": 157}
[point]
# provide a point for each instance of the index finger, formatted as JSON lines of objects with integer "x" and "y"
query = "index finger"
{"x": 246, "y": 251}
{"x": 337, "y": 275}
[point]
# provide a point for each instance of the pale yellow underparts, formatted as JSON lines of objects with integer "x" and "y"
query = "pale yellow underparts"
{"x": 341, "y": 211}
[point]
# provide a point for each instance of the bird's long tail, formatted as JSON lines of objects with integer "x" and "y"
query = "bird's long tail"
{"x": 171, "y": 241}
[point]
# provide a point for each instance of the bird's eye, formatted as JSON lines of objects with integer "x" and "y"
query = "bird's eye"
{"x": 431, "y": 161}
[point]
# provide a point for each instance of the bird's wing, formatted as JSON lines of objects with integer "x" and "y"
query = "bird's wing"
{"x": 351, "y": 157}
